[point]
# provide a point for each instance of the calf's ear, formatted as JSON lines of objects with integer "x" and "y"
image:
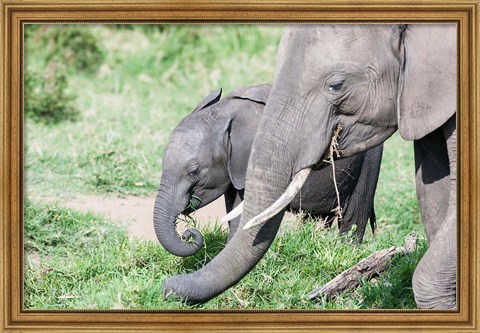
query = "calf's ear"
{"x": 427, "y": 81}
{"x": 211, "y": 99}
{"x": 237, "y": 152}
{"x": 257, "y": 94}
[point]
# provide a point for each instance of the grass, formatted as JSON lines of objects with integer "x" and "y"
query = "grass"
{"x": 127, "y": 107}
{"x": 81, "y": 261}
{"x": 130, "y": 105}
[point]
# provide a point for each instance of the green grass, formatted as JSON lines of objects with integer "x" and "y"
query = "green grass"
{"x": 82, "y": 261}
{"x": 149, "y": 79}
{"x": 130, "y": 105}
{"x": 76, "y": 260}
{"x": 395, "y": 199}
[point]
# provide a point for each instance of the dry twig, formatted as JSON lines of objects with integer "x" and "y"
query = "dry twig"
{"x": 335, "y": 152}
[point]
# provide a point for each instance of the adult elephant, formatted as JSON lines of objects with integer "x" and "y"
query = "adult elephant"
{"x": 368, "y": 80}
{"x": 207, "y": 156}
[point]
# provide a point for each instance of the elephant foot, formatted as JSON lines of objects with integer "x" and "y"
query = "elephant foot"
{"x": 432, "y": 294}
{"x": 434, "y": 280}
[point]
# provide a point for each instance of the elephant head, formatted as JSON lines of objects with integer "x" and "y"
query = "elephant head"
{"x": 206, "y": 153}
{"x": 364, "y": 81}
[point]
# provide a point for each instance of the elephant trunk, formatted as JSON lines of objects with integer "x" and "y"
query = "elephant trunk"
{"x": 165, "y": 215}
{"x": 240, "y": 255}
{"x": 273, "y": 163}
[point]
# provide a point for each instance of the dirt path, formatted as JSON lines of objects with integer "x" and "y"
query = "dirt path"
{"x": 136, "y": 213}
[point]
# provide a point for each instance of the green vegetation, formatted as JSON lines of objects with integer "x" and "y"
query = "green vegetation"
{"x": 76, "y": 260}
{"x": 132, "y": 102}
{"x": 53, "y": 53}
{"x": 82, "y": 261}
{"x": 46, "y": 96}
{"x": 101, "y": 102}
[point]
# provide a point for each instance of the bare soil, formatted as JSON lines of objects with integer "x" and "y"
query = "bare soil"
{"x": 136, "y": 213}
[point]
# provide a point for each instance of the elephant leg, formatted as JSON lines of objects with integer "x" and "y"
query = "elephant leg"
{"x": 432, "y": 178}
{"x": 359, "y": 207}
{"x": 434, "y": 280}
{"x": 233, "y": 198}
{"x": 357, "y": 210}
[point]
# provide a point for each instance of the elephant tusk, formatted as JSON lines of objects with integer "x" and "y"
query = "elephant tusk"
{"x": 282, "y": 201}
{"x": 237, "y": 211}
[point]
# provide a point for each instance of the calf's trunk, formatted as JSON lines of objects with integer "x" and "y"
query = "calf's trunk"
{"x": 165, "y": 214}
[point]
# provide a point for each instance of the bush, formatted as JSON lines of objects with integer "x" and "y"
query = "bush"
{"x": 47, "y": 97}
{"x": 73, "y": 46}
{"x": 55, "y": 52}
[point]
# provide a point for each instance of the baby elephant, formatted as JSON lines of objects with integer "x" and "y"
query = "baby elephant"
{"x": 207, "y": 156}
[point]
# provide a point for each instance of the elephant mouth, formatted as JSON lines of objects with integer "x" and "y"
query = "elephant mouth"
{"x": 194, "y": 203}
{"x": 320, "y": 164}
{"x": 187, "y": 212}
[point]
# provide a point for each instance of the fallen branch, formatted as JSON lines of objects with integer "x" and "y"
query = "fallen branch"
{"x": 365, "y": 269}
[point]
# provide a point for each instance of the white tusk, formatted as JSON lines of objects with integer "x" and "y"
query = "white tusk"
{"x": 281, "y": 202}
{"x": 237, "y": 211}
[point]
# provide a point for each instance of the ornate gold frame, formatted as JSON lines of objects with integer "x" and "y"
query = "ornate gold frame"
{"x": 15, "y": 13}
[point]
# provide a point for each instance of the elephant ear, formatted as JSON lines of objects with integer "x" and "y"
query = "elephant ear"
{"x": 238, "y": 150}
{"x": 427, "y": 83}
{"x": 211, "y": 99}
{"x": 258, "y": 94}
{"x": 243, "y": 120}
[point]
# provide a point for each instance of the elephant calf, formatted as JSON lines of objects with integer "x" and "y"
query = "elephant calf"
{"x": 207, "y": 156}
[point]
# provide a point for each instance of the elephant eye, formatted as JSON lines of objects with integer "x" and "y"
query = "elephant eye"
{"x": 334, "y": 88}
{"x": 193, "y": 170}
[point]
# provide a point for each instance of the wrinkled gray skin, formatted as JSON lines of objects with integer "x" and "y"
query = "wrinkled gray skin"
{"x": 207, "y": 156}
{"x": 371, "y": 80}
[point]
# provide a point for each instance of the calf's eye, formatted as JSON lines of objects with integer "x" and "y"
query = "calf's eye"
{"x": 193, "y": 170}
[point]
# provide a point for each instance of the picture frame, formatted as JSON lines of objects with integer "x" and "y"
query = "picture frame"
{"x": 17, "y": 13}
